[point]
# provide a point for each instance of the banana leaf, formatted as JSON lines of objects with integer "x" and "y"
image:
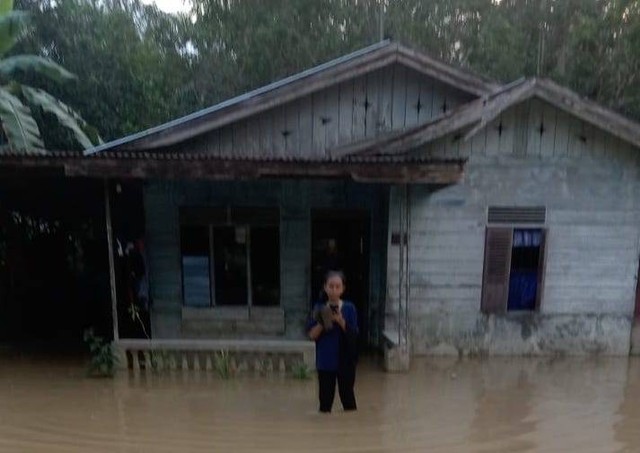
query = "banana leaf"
{"x": 18, "y": 125}
{"x": 65, "y": 115}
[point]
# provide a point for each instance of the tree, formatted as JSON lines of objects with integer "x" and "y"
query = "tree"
{"x": 20, "y": 103}
{"x": 240, "y": 45}
{"x": 131, "y": 60}
{"x": 138, "y": 67}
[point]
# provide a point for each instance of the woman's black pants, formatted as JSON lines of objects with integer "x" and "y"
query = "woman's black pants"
{"x": 346, "y": 377}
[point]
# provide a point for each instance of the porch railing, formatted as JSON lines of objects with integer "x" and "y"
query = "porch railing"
{"x": 243, "y": 355}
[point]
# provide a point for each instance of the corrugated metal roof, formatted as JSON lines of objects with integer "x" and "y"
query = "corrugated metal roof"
{"x": 181, "y": 156}
{"x": 8, "y": 152}
{"x": 146, "y": 155}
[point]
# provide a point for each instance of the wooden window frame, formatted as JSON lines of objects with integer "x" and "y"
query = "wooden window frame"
{"x": 496, "y": 276}
{"x": 236, "y": 217}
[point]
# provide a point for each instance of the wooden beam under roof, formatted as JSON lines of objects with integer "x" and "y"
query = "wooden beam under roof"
{"x": 174, "y": 167}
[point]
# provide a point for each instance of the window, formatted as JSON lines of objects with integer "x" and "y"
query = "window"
{"x": 194, "y": 241}
{"x": 230, "y": 257}
{"x": 513, "y": 269}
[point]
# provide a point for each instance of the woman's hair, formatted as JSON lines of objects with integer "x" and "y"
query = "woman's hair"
{"x": 334, "y": 273}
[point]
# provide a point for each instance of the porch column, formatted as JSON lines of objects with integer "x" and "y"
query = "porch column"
{"x": 403, "y": 270}
{"x": 112, "y": 270}
{"x": 398, "y": 350}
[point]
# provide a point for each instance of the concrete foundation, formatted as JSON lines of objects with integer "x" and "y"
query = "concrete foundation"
{"x": 523, "y": 334}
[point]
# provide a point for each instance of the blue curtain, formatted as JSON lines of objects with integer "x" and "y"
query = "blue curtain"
{"x": 527, "y": 238}
{"x": 523, "y": 286}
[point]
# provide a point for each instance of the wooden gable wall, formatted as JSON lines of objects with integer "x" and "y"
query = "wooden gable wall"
{"x": 391, "y": 98}
{"x": 534, "y": 129}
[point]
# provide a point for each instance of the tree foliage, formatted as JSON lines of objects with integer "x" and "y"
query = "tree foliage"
{"x": 22, "y": 105}
{"x": 138, "y": 67}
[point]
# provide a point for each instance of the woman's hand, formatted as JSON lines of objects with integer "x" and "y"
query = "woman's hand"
{"x": 315, "y": 332}
{"x": 339, "y": 319}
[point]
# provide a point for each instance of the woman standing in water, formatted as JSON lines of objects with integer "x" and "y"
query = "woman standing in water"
{"x": 334, "y": 328}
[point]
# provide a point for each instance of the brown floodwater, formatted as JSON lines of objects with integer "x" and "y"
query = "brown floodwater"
{"x": 442, "y": 405}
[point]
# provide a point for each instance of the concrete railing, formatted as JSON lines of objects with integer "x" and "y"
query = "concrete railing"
{"x": 243, "y": 355}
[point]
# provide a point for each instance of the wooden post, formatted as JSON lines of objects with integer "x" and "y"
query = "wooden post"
{"x": 112, "y": 269}
{"x": 397, "y": 355}
{"x": 381, "y": 21}
{"x": 403, "y": 274}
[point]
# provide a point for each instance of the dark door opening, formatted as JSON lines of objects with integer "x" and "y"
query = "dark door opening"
{"x": 340, "y": 240}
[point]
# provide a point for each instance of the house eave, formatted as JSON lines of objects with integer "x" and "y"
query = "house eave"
{"x": 175, "y": 167}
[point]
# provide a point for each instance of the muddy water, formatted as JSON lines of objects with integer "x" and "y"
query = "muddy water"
{"x": 497, "y": 405}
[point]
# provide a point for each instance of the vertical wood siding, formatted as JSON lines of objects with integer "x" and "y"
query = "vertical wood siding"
{"x": 391, "y": 98}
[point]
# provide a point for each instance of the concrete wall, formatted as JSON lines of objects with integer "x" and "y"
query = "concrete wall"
{"x": 295, "y": 199}
{"x": 590, "y": 185}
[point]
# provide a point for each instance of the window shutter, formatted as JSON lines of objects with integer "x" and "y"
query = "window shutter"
{"x": 497, "y": 265}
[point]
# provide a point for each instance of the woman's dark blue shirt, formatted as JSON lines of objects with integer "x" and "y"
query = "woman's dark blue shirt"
{"x": 330, "y": 344}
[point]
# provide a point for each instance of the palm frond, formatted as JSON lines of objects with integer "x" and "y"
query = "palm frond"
{"x": 65, "y": 115}
{"x": 13, "y": 25}
{"x": 6, "y": 6}
{"x": 33, "y": 63}
{"x": 18, "y": 125}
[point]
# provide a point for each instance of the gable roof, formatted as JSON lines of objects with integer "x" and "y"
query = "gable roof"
{"x": 301, "y": 84}
{"x": 475, "y": 115}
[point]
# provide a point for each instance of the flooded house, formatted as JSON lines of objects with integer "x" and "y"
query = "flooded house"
{"x": 469, "y": 217}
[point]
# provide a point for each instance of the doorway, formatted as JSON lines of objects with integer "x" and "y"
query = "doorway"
{"x": 340, "y": 240}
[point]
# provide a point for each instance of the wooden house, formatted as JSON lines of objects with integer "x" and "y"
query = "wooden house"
{"x": 469, "y": 217}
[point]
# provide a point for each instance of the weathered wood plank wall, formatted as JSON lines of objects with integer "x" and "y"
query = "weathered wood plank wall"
{"x": 532, "y": 155}
{"x": 391, "y": 98}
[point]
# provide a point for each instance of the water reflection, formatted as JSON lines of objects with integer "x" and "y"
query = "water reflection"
{"x": 503, "y": 413}
{"x": 442, "y": 405}
{"x": 627, "y": 427}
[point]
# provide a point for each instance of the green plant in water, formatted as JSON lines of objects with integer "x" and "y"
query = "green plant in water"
{"x": 222, "y": 364}
{"x": 158, "y": 359}
{"x": 301, "y": 371}
{"x": 103, "y": 361}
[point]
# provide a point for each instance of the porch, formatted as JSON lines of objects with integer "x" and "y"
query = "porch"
{"x": 306, "y": 214}
{"x": 245, "y": 259}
